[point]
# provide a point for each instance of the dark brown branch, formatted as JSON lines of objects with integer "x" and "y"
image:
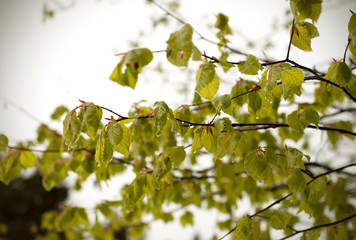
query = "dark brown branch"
{"x": 320, "y": 226}
{"x": 290, "y": 40}
{"x": 347, "y": 46}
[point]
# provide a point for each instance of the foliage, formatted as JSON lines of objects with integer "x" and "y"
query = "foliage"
{"x": 256, "y": 148}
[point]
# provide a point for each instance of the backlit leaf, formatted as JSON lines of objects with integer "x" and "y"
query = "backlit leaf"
{"x": 292, "y": 77}
{"x": 303, "y": 33}
{"x": 104, "y": 150}
{"x": 127, "y": 70}
{"x": 296, "y": 181}
{"x": 114, "y": 132}
{"x": 209, "y": 140}
{"x": 91, "y": 119}
{"x": 71, "y": 128}
{"x": 3, "y": 142}
{"x": 316, "y": 190}
{"x": 352, "y": 29}
{"x": 124, "y": 146}
{"x": 306, "y": 9}
{"x": 279, "y": 220}
{"x": 256, "y": 165}
{"x": 180, "y": 46}
{"x": 250, "y": 66}
{"x": 28, "y": 159}
{"x": 176, "y": 155}
{"x": 254, "y": 102}
{"x": 207, "y": 81}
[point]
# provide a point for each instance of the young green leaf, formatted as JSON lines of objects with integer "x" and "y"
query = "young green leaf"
{"x": 250, "y": 66}
{"x": 256, "y": 165}
{"x": 292, "y": 77}
{"x": 91, "y": 117}
{"x": 127, "y": 70}
{"x": 247, "y": 229}
{"x": 352, "y": 29}
{"x": 303, "y": 33}
{"x": 71, "y": 128}
{"x": 208, "y": 140}
{"x": 279, "y": 220}
{"x": 180, "y": 46}
{"x": 160, "y": 115}
{"x": 176, "y": 155}
{"x": 104, "y": 150}
{"x": 306, "y": 9}
{"x": 222, "y": 23}
{"x": 58, "y": 112}
{"x": 124, "y": 146}
{"x": 296, "y": 181}
{"x": 114, "y": 132}
{"x": 316, "y": 190}
{"x": 3, "y": 142}
{"x": 28, "y": 159}
{"x": 187, "y": 218}
{"x": 207, "y": 81}
{"x": 254, "y": 102}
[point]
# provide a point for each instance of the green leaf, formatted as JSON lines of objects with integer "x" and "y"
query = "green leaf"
{"x": 222, "y": 23}
{"x": 104, "y": 150}
{"x": 352, "y": 29}
{"x": 296, "y": 181}
{"x": 247, "y": 229}
{"x": 294, "y": 158}
{"x": 114, "y": 133}
{"x": 292, "y": 77}
{"x": 207, "y": 81}
{"x": 316, "y": 190}
{"x": 303, "y": 33}
{"x": 256, "y": 165}
{"x": 176, "y": 155}
{"x": 160, "y": 116}
{"x": 306, "y": 9}
{"x": 254, "y": 102}
{"x": 187, "y": 218}
{"x": 60, "y": 110}
{"x": 71, "y": 128}
{"x": 340, "y": 73}
{"x": 250, "y": 66}
{"x": 208, "y": 140}
{"x": 196, "y": 55}
{"x": 279, "y": 220}
{"x": 28, "y": 159}
{"x": 91, "y": 119}
{"x": 180, "y": 46}
{"x": 3, "y": 142}
{"x": 223, "y": 103}
{"x": 127, "y": 70}
{"x": 300, "y": 119}
{"x": 124, "y": 146}
{"x": 197, "y": 144}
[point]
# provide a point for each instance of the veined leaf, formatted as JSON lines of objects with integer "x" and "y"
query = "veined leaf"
{"x": 124, "y": 146}
{"x": 180, "y": 46}
{"x": 91, "y": 117}
{"x": 296, "y": 181}
{"x": 300, "y": 119}
{"x": 209, "y": 140}
{"x": 104, "y": 150}
{"x": 292, "y": 77}
{"x": 4, "y": 141}
{"x": 352, "y": 29}
{"x": 247, "y": 229}
{"x": 196, "y": 55}
{"x": 28, "y": 159}
{"x": 176, "y": 155}
{"x": 279, "y": 220}
{"x": 250, "y": 66}
{"x": 303, "y": 33}
{"x": 256, "y": 165}
{"x": 197, "y": 139}
{"x": 316, "y": 190}
{"x": 340, "y": 73}
{"x": 71, "y": 128}
{"x": 114, "y": 132}
{"x": 306, "y": 9}
{"x": 127, "y": 70}
{"x": 254, "y": 102}
{"x": 224, "y": 103}
{"x": 207, "y": 81}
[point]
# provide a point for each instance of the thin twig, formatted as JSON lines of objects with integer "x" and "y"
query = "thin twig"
{"x": 320, "y": 226}
{"x": 290, "y": 40}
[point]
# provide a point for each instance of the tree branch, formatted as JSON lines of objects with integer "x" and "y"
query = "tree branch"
{"x": 320, "y": 226}
{"x": 290, "y": 40}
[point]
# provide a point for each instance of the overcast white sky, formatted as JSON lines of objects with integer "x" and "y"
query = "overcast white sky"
{"x": 70, "y": 57}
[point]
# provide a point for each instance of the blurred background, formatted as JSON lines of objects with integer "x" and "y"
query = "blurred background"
{"x": 54, "y": 52}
